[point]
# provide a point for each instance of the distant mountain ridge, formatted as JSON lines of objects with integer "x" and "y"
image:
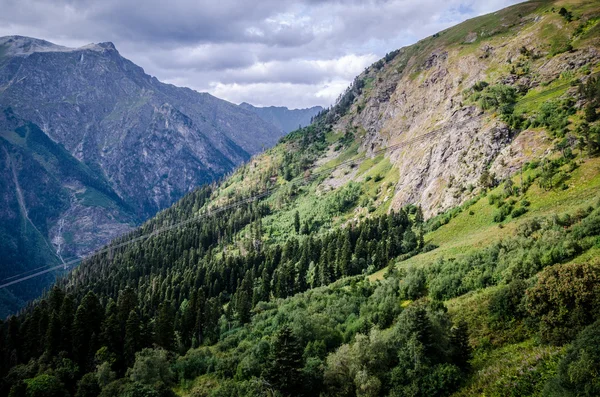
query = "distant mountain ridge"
{"x": 287, "y": 120}
{"x": 91, "y": 145}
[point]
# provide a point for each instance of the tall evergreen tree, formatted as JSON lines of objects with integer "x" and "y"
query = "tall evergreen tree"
{"x": 297, "y": 222}
{"x": 86, "y": 327}
{"x": 53, "y": 336}
{"x": 200, "y": 317}
{"x": 461, "y": 349}
{"x": 345, "y": 254}
{"x": 126, "y": 302}
{"x": 284, "y": 372}
{"x": 66, "y": 316}
{"x": 165, "y": 326}
{"x": 132, "y": 338}
{"x": 111, "y": 329}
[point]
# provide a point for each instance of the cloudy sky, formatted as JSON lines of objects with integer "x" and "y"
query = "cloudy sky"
{"x": 296, "y": 53}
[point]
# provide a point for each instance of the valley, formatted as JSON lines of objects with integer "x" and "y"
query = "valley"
{"x": 436, "y": 232}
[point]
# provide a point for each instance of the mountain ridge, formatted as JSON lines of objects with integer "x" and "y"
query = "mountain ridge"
{"x": 283, "y": 118}
{"x": 148, "y": 143}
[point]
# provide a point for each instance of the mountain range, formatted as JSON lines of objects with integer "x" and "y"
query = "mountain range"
{"x": 434, "y": 233}
{"x": 287, "y": 120}
{"x": 91, "y": 146}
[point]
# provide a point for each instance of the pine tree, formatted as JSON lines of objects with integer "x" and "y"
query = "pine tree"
{"x": 305, "y": 228}
{"x": 324, "y": 272}
{"x": 243, "y": 306}
{"x": 126, "y": 302}
{"x": 53, "y": 336}
{"x": 265, "y": 286}
{"x": 461, "y": 349}
{"x": 200, "y": 317}
{"x": 345, "y": 255}
{"x": 55, "y": 299}
{"x": 111, "y": 329}
{"x": 66, "y": 316}
{"x": 188, "y": 320}
{"x": 132, "y": 338}
{"x": 86, "y": 326}
{"x": 284, "y": 371}
{"x": 409, "y": 241}
{"x": 302, "y": 267}
{"x": 361, "y": 249}
{"x": 297, "y": 222}
{"x": 419, "y": 216}
{"x": 165, "y": 327}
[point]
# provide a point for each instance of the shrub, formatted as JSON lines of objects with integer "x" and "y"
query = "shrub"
{"x": 45, "y": 386}
{"x": 517, "y": 212}
{"x": 578, "y": 370}
{"x": 506, "y": 303}
{"x": 555, "y": 116}
{"x": 151, "y": 367}
{"x": 88, "y": 386}
{"x": 194, "y": 363}
{"x": 413, "y": 285}
{"x": 502, "y": 213}
{"x": 565, "y": 299}
{"x": 590, "y": 226}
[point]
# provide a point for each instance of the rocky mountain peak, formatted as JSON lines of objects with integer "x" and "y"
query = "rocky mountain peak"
{"x": 24, "y": 46}
{"x": 100, "y": 146}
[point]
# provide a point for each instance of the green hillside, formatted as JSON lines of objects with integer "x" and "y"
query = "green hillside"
{"x": 303, "y": 274}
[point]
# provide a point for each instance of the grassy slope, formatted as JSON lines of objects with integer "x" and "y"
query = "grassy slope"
{"x": 499, "y": 357}
{"x": 467, "y": 232}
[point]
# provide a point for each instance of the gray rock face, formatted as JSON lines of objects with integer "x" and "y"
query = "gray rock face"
{"x": 143, "y": 135}
{"x": 424, "y": 92}
{"x": 287, "y": 120}
{"x": 141, "y": 144}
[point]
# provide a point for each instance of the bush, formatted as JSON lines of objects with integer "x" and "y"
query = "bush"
{"x": 88, "y": 386}
{"x": 343, "y": 198}
{"x": 578, "y": 370}
{"x": 502, "y": 213}
{"x": 590, "y": 226}
{"x": 413, "y": 286}
{"x": 565, "y": 299}
{"x": 151, "y": 367}
{"x": 555, "y": 116}
{"x": 45, "y": 386}
{"x": 501, "y": 97}
{"x": 194, "y": 363}
{"x": 517, "y": 212}
{"x": 506, "y": 303}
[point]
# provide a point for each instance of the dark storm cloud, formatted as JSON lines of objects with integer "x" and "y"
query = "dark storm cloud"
{"x": 294, "y": 53}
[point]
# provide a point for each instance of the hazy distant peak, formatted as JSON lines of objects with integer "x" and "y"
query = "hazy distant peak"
{"x": 23, "y": 46}
{"x": 285, "y": 119}
{"x": 247, "y": 105}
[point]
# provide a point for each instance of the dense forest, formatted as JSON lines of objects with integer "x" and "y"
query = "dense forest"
{"x": 297, "y": 276}
{"x": 348, "y": 337}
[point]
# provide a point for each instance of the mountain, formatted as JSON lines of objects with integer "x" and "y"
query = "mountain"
{"x": 287, "y": 120}
{"x": 430, "y": 243}
{"x": 91, "y": 146}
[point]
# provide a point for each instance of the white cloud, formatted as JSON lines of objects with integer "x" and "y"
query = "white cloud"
{"x": 293, "y": 53}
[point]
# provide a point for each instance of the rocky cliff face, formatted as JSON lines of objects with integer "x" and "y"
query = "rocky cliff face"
{"x": 287, "y": 120}
{"x": 112, "y": 145}
{"x": 427, "y": 88}
{"x": 144, "y": 136}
